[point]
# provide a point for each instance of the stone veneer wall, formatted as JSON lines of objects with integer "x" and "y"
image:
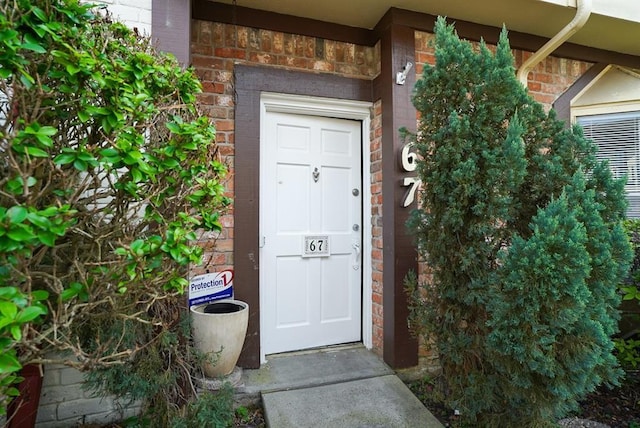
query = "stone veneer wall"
{"x": 64, "y": 402}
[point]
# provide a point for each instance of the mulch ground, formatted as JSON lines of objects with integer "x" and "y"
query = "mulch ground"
{"x": 254, "y": 418}
{"x": 618, "y": 407}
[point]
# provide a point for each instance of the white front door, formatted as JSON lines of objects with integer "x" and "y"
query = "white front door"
{"x": 311, "y": 231}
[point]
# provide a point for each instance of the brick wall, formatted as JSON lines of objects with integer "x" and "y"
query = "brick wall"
{"x": 547, "y": 81}
{"x": 216, "y": 47}
{"x": 376, "y": 223}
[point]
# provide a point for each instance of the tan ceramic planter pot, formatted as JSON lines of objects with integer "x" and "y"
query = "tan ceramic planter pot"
{"x": 220, "y": 327}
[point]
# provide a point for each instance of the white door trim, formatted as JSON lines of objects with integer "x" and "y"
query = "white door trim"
{"x": 341, "y": 109}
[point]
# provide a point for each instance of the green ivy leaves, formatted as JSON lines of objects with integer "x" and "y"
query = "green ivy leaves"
{"x": 107, "y": 177}
{"x": 23, "y": 227}
{"x": 34, "y": 140}
{"x": 16, "y": 310}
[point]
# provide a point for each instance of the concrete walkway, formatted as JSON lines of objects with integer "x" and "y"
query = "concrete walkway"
{"x": 336, "y": 387}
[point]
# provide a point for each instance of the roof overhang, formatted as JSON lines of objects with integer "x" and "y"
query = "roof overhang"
{"x": 614, "y": 24}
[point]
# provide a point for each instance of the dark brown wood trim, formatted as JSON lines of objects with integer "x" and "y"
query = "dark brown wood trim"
{"x": 255, "y": 18}
{"x": 250, "y": 82}
{"x": 517, "y": 40}
{"x": 562, "y": 105}
{"x": 397, "y": 46}
{"x": 165, "y": 35}
{"x": 218, "y": 12}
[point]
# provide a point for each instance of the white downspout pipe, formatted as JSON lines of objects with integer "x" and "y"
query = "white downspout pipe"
{"x": 582, "y": 15}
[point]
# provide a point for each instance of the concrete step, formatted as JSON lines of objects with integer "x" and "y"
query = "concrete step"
{"x": 344, "y": 387}
{"x": 382, "y": 401}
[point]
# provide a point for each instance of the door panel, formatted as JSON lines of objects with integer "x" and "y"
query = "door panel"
{"x": 336, "y": 210}
{"x": 290, "y": 272}
{"x": 310, "y": 167}
{"x": 292, "y": 191}
{"x": 335, "y": 299}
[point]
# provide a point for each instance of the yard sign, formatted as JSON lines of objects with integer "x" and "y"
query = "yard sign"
{"x": 211, "y": 286}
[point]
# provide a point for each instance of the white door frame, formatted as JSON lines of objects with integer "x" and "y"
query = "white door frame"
{"x": 340, "y": 109}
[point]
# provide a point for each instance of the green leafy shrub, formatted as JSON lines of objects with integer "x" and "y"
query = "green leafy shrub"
{"x": 627, "y": 344}
{"x": 630, "y": 288}
{"x": 107, "y": 172}
{"x": 520, "y": 227}
{"x": 628, "y": 352}
{"x": 209, "y": 410}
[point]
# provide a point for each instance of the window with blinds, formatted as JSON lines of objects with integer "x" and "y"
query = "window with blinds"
{"x": 617, "y": 136}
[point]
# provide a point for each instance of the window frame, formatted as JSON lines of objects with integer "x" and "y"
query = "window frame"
{"x": 612, "y": 109}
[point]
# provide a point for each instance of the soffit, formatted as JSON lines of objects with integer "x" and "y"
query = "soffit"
{"x": 614, "y": 85}
{"x": 539, "y": 17}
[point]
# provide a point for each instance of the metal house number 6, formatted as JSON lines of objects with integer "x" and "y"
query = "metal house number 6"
{"x": 316, "y": 175}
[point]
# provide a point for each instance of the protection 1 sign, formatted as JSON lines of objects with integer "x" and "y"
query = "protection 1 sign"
{"x": 211, "y": 286}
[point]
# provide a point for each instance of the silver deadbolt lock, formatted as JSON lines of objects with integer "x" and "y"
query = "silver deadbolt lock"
{"x": 355, "y": 192}
{"x": 356, "y": 227}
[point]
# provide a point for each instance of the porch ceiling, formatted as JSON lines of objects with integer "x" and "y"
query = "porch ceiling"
{"x": 538, "y": 17}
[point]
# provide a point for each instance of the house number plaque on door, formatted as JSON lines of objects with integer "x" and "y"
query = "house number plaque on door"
{"x": 316, "y": 246}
